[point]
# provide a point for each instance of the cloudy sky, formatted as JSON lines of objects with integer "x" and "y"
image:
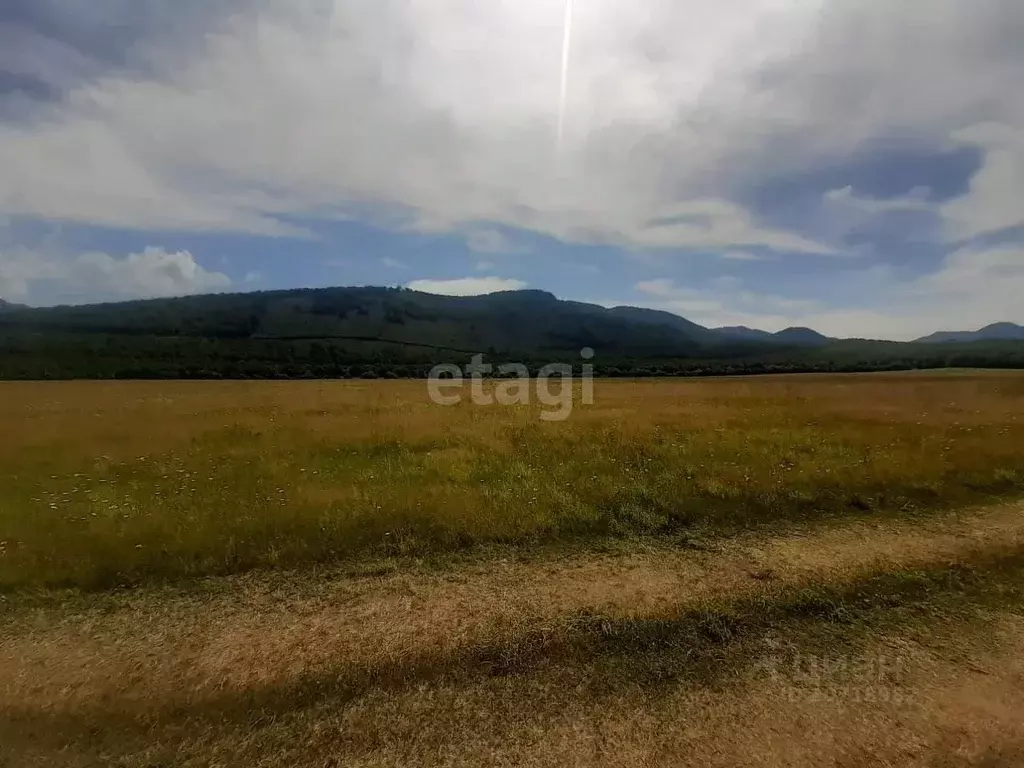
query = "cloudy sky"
{"x": 852, "y": 165}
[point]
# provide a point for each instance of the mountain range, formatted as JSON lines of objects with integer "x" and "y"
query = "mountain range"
{"x": 527, "y": 321}
{"x": 506, "y": 320}
{"x": 396, "y": 332}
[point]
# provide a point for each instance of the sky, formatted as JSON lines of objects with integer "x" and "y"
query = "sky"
{"x": 855, "y": 166}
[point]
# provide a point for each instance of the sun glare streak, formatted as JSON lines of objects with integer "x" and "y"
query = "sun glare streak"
{"x": 566, "y": 58}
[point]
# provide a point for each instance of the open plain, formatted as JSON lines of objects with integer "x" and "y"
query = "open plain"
{"x": 818, "y": 570}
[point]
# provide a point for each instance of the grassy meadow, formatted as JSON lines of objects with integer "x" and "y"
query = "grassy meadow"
{"x": 799, "y": 571}
{"x": 108, "y": 484}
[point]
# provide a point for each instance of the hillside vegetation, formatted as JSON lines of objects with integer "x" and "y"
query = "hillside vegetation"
{"x": 374, "y": 332}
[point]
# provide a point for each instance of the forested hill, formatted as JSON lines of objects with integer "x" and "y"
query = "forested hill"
{"x": 513, "y": 322}
{"x": 396, "y": 332}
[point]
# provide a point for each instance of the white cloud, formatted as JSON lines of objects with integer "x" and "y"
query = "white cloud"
{"x": 18, "y": 268}
{"x": 711, "y": 223}
{"x": 972, "y": 288}
{"x": 491, "y": 241}
{"x": 46, "y": 278}
{"x": 741, "y": 256}
{"x": 723, "y": 303}
{"x": 80, "y": 169}
{"x": 915, "y": 200}
{"x": 467, "y": 286}
{"x": 846, "y": 213}
{"x": 662, "y": 287}
{"x": 444, "y": 109}
{"x": 994, "y": 201}
{"x": 484, "y": 266}
{"x": 976, "y": 286}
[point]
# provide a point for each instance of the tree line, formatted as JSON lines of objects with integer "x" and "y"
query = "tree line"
{"x": 99, "y": 356}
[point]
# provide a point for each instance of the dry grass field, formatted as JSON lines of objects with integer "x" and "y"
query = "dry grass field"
{"x": 118, "y": 483}
{"x": 796, "y": 571}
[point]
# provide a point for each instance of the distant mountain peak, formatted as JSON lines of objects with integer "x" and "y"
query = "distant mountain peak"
{"x": 794, "y": 336}
{"x": 661, "y": 317}
{"x": 742, "y": 333}
{"x": 801, "y": 336}
{"x": 7, "y": 306}
{"x": 994, "y": 332}
{"x": 528, "y": 293}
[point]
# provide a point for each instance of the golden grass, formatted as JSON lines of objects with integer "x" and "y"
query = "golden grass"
{"x": 110, "y": 483}
{"x": 734, "y": 572}
{"x": 252, "y": 631}
{"x": 913, "y": 664}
